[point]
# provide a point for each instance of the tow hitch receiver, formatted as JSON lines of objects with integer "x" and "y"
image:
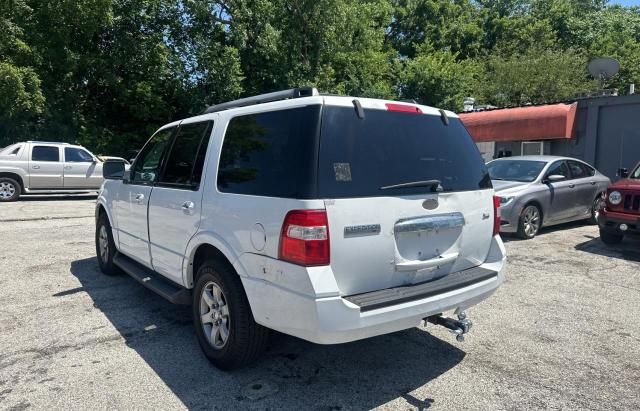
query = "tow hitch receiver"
{"x": 459, "y": 327}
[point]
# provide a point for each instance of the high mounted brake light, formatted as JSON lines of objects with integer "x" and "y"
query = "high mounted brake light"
{"x": 305, "y": 238}
{"x": 403, "y": 108}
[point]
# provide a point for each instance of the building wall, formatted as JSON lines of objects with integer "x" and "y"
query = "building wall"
{"x": 608, "y": 135}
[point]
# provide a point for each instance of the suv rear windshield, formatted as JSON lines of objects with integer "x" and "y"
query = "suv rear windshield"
{"x": 275, "y": 154}
{"x": 359, "y": 156}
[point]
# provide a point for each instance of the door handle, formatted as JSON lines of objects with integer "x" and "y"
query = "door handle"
{"x": 139, "y": 198}
{"x": 572, "y": 185}
{"x": 68, "y": 167}
{"x": 36, "y": 167}
{"x": 188, "y": 205}
{"x": 593, "y": 183}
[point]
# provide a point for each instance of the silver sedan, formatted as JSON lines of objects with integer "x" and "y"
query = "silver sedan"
{"x": 539, "y": 191}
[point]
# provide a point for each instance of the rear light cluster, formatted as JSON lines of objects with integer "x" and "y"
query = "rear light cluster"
{"x": 403, "y": 108}
{"x": 496, "y": 215}
{"x": 305, "y": 238}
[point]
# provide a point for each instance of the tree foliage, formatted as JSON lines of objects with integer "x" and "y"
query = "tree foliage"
{"x": 107, "y": 73}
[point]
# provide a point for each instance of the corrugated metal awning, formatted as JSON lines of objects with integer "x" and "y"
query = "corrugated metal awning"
{"x": 550, "y": 122}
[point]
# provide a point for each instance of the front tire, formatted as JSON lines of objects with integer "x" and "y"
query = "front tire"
{"x": 224, "y": 325}
{"x": 105, "y": 246}
{"x": 595, "y": 210}
{"x": 529, "y": 222}
{"x": 610, "y": 238}
{"x": 10, "y": 189}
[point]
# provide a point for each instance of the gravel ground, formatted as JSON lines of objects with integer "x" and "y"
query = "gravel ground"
{"x": 562, "y": 332}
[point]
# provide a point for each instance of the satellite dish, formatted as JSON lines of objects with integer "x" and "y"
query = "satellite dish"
{"x": 603, "y": 68}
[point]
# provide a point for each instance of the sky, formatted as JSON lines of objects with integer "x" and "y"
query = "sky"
{"x": 626, "y": 2}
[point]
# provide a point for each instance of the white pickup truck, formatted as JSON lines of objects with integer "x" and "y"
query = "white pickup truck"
{"x": 38, "y": 167}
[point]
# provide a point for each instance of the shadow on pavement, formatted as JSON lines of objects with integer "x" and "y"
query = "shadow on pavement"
{"x": 508, "y": 237}
{"x": 628, "y": 249}
{"x": 57, "y": 197}
{"x": 293, "y": 372}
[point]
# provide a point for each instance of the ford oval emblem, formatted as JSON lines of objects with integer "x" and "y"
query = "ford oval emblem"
{"x": 430, "y": 204}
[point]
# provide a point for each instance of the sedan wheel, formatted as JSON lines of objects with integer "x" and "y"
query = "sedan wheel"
{"x": 529, "y": 222}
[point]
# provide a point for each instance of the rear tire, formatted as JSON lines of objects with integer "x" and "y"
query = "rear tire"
{"x": 224, "y": 325}
{"x": 610, "y": 238}
{"x": 595, "y": 210}
{"x": 529, "y": 222}
{"x": 105, "y": 246}
{"x": 10, "y": 189}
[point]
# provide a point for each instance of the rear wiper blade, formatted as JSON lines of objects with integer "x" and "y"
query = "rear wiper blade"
{"x": 436, "y": 185}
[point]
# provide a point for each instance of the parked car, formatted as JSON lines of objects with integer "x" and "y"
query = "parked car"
{"x": 620, "y": 215}
{"x": 40, "y": 167}
{"x": 539, "y": 191}
{"x": 328, "y": 218}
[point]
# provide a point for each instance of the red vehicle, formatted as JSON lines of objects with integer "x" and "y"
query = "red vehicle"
{"x": 620, "y": 215}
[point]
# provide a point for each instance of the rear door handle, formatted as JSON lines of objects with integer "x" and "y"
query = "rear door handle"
{"x": 68, "y": 167}
{"x": 36, "y": 167}
{"x": 139, "y": 198}
{"x": 572, "y": 185}
{"x": 593, "y": 183}
{"x": 188, "y": 205}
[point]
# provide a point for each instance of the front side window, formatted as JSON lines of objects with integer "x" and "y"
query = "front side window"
{"x": 636, "y": 174}
{"x": 515, "y": 170}
{"x": 559, "y": 168}
{"x": 45, "y": 153}
{"x": 77, "y": 155}
{"x": 186, "y": 159}
{"x": 147, "y": 165}
{"x": 271, "y": 154}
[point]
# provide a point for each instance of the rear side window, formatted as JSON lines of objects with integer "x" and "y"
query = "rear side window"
{"x": 45, "y": 153}
{"x": 76, "y": 155}
{"x": 359, "y": 156}
{"x": 186, "y": 159}
{"x": 271, "y": 154}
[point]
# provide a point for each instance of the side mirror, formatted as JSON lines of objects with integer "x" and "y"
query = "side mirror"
{"x": 113, "y": 170}
{"x": 555, "y": 177}
{"x": 622, "y": 173}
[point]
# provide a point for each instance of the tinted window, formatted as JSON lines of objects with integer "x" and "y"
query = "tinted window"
{"x": 588, "y": 170}
{"x": 359, "y": 156}
{"x": 577, "y": 169}
{"x": 185, "y": 161}
{"x": 147, "y": 165}
{"x": 559, "y": 168}
{"x": 271, "y": 154}
{"x": 76, "y": 155}
{"x": 44, "y": 153}
{"x": 515, "y": 170}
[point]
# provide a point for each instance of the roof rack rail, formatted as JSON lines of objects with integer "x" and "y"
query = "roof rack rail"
{"x": 46, "y": 142}
{"x": 264, "y": 98}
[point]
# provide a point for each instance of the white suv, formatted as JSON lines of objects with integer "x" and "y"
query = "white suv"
{"x": 328, "y": 218}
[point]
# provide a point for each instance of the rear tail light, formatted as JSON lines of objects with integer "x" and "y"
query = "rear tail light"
{"x": 496, "y": 215}
{"x": 305, "y": 238}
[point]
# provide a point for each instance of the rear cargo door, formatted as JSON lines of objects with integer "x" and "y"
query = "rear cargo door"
{"x": 408, "y": 197}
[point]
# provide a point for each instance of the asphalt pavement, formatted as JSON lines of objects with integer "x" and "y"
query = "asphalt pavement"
{"x": 563, "y": 332}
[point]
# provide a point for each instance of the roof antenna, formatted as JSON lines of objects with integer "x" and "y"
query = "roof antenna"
{"x": 444, "y": 117}
{"x": 359, "y": 109}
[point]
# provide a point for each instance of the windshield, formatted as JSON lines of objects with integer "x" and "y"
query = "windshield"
{"x": 515, "y": 170}
{"x": 393, "y": 153}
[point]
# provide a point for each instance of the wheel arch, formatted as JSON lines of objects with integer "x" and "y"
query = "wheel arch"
{"x": 537, "y": 203}
{"x": 14, "y": 176}
{"x": 206, "y": 246}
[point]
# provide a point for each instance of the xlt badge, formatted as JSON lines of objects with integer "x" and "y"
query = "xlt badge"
{"x": 361, "y": 230}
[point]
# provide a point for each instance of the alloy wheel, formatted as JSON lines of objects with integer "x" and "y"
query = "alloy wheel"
{"x": 7, "y": 190}
{"x": 103, "y": 243}
{"x": 531, "y": 220}
{"x": 214, "y": 315}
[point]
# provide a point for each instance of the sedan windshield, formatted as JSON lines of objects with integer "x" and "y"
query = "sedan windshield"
{"x": 515, "y": 170}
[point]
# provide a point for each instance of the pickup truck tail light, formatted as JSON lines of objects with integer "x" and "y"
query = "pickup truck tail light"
{"x": 496, "y": 215}
{"x": 304, "y": 239}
